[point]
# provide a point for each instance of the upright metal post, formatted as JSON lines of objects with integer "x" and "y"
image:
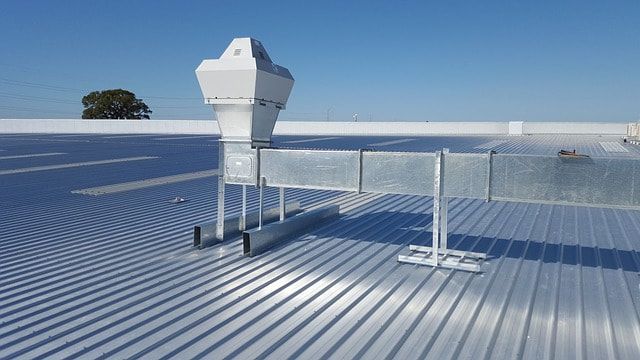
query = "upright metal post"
{"x": 261, "y": 202}
{"x": 451, "y": 258}
{"x": 444, "y": 209}
{"x": 221, "y": 185}
{"x": 444, "y": 206}
{"x": 436, "y": 208}
{"x": 489, "y": 168}
{"x": 243, "y": 216}
{"x": 283, "y": 209}
{"x": 359, "y": 171}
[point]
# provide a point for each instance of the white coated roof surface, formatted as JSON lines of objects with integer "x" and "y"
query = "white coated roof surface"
{"x": 115, "y": 275}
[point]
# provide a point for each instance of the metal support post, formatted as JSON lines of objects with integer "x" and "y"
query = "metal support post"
{"x": 283, "y": 209}
{"x": 221, "y": 186}
{"x": 444, "y": 209}
{"x": 489, "y": 168}
{"x": 243, "y": 215}
{"x": 444, "y": 205}
{"x": 438, "y": 254}
{"x": 359, "y": 171}
{"x": 437, "y": 177}
{"x": 261, "y": 202}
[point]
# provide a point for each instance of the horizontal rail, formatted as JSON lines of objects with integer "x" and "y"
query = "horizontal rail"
{"x": 257, "y": 241}
{"x": 204, "y": 235}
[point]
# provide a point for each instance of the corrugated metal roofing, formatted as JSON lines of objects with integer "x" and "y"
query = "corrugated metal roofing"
{"x": 115, "y": 275}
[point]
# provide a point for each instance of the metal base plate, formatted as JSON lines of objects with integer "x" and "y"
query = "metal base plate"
{"x": 449, "y": 259}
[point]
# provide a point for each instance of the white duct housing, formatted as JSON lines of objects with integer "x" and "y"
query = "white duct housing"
{"x": 247, "y": 91}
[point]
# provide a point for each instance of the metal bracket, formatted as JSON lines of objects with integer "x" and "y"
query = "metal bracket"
{"x": 489, "y": 170}
{"x": 260, "y": 240}
{"x": 221, "y": 186}
{"x": 359, "y": 171}
{"x": 282, "y": 205}
{"x": 442, "y": 256}
{"x": 261, "y": 202}
{"x": 204, "y": 235}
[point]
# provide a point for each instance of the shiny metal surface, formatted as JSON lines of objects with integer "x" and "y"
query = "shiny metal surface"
{"x": 115, "y": 276}
{"x": 397, "y": 172}
{"x": 240, "y": 163}
{"x": 262, "y": 239}
{"x": 607, "y": 182}
{"x": 589, "y": 181}
{"x": 310, "y": 169}
{"x": 205, "y": 233}
{"x": 465, "y": 175}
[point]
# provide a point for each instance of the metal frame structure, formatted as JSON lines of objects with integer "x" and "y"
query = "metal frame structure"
{"x": 580, "y": 181}
{"x": 247, "y": 92}
{"x": 438, "y": 254}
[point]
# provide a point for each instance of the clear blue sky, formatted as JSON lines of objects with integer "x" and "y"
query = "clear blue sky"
{"x": 415, "y": 61}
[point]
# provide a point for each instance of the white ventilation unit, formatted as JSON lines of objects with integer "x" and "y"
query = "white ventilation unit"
{"x": 247, "y": 91}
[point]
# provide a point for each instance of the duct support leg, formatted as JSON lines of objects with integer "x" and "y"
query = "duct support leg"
{"x": 221, "y": 186}
{"x": 261, "y": 203}
{"x": 437, "y": 193}
{"x": 444, "y": 209}
{"x": 444, "y": 204}
{"x": 439, "y": 254}
{"x": 443, "y": 200}
{"x": 243, "y": 215}
{"x": 283, "y": 209}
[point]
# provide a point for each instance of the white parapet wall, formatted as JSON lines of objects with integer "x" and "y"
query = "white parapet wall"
{"x": 390, "y": 128}
{"x": 516, "y": 127}
{"x": 73, "y": 126}
{"x": 578, "y": 128}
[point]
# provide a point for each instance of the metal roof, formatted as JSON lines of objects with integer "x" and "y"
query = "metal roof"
{"x": 115, "y": 275}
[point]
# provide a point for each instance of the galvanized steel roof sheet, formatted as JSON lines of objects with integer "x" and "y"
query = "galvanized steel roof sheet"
{"x": 115, "y": 275}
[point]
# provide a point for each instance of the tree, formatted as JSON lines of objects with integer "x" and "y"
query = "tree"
{"x": 114, "y": 104}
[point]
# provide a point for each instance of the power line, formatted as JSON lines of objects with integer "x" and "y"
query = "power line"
{"x": 51, "y": 87}
{"x": 19, "y": 96}
{"x": 16, "y": 108}
{"x": 171, "y": 98}
{"x": 39, "y": 98}
{"x": 37, "y": 85}
{"x": 43, "y": 86}
{"x": 39, "y": 70}
{"x": 179, "y": 107}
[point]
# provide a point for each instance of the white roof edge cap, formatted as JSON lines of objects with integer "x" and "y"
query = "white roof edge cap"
{"x": 247, "y": 90}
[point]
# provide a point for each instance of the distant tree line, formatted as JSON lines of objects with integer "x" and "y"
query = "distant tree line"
{"x": 114, "y": 104}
